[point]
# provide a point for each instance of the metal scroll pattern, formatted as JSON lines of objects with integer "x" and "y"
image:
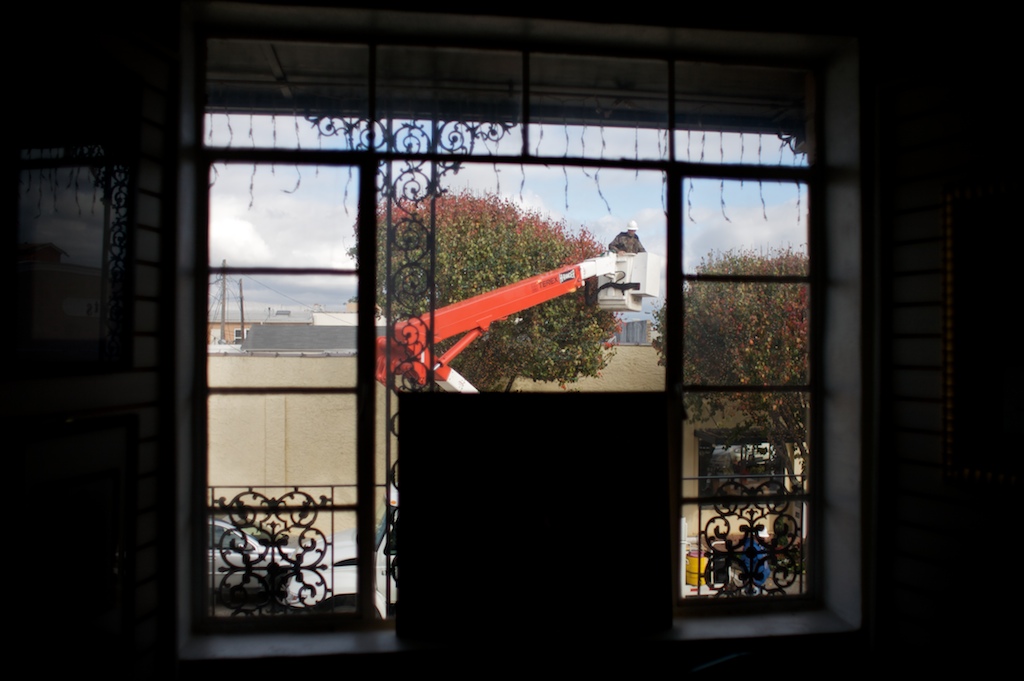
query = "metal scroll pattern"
{"x": 460, "y": 138}
{"x": 268, "y": 553}
{"x": 750, "y": 541}
{"x": 407, "y": 191}
{"x": 112, "y": 185}
{"x": 116, "y": 190}
{"x": 353, "y": 133}
{"x": 114, "y": 179}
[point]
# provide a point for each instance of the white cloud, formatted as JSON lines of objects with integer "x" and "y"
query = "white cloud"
{"x": 236, "y": 241}
{"x": 719, "y": 218}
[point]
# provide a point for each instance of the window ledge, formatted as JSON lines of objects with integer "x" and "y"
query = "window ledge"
{"x": 384, "y": 641}
{"x": 293, "y": 644}
{"x": 757, "y": 626}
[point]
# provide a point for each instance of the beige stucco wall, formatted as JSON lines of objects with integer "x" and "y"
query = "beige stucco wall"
{"x": 283, "y": 439}
{"x": 287, "y": 439}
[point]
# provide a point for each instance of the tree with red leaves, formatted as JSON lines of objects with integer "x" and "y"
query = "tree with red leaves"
{"x": 486, "y": 242}
{"x": 748, "y": 333}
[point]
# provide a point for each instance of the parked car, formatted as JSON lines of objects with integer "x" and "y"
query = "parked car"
{"x": 246, "y": 568}
{"x": 332, "y": 584}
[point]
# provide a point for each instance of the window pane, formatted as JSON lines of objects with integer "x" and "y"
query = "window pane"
{"x": 745, "y": 494}
{"x": 271, "y": 215}
{"x": 300, "y": 333}
{"x": 277, "y": 328}
{"x": 278, "y": 94}
{"x": 745, "y": 333}
{"x": 755, "y": 433}
{"x": 502, "y": 226}
{"x": 752, "y": 227}
{"x": 742, "y": 114}
{"x": 281, "y": 439}
{"x": 281, "y": 469}
{"x": 72, "y": 239}
{"x": 591, "y": 107}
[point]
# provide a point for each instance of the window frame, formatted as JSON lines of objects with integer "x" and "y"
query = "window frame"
{"x": 835, "y": 191}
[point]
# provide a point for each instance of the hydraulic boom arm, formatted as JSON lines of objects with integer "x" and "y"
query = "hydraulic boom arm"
{"x": 403, "y": 352}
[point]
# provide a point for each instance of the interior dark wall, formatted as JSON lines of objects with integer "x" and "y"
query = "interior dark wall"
{"x": 944, "y": 124}
{"x": 91, "y": 442}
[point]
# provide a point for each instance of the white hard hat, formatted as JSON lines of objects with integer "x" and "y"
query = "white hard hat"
{"x": 631, "y": 225}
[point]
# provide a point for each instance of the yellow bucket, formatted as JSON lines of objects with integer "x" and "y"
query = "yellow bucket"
{"x": 696, "y": 563}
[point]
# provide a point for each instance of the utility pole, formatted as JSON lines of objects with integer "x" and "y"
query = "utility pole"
{"x": 223, "y": 298}
{"x": 241, "y": 307}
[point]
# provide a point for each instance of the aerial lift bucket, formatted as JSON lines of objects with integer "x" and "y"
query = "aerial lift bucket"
{"x": 636, "y": 276}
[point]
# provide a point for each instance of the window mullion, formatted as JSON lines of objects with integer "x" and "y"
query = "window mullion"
{"x": 366, "y": 415}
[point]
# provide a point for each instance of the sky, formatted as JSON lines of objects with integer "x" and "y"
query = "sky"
{"x": 304, "y": 216}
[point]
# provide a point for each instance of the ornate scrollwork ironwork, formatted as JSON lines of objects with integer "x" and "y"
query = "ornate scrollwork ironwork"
{"x": 88, "y": 151}
{"x": 462, "y": 137}
{"x": 117, "y": 198}
{"x": 412, "y": 136}
{"x": 753, "y": 540}
{"x": 354, "y": 131}
{"x": 414, "y": 183}
{"x": 268, "y": 554}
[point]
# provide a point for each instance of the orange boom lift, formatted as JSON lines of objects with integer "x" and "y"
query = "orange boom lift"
{"x": 617, "y": 282}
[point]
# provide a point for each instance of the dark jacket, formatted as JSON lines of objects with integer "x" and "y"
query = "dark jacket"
{"x": 626, "y": 243}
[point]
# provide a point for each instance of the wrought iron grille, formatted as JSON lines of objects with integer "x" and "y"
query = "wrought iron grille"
{"x": 61, "y": 174}
{"x": 284, "y": 550}
{"x": 749, "y": 539}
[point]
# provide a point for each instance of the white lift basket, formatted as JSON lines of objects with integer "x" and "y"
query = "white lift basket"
{"x": 636, "y": 276}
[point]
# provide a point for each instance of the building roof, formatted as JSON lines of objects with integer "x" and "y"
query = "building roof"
{"x": 318, "y": 339}
{"x": 44, "y": 252}
{"x": 261, "y": 315}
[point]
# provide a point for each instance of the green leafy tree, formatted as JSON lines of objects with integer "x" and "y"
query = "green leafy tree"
{"x": 486, "y": 242}
{"x": 747, "y": 333}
